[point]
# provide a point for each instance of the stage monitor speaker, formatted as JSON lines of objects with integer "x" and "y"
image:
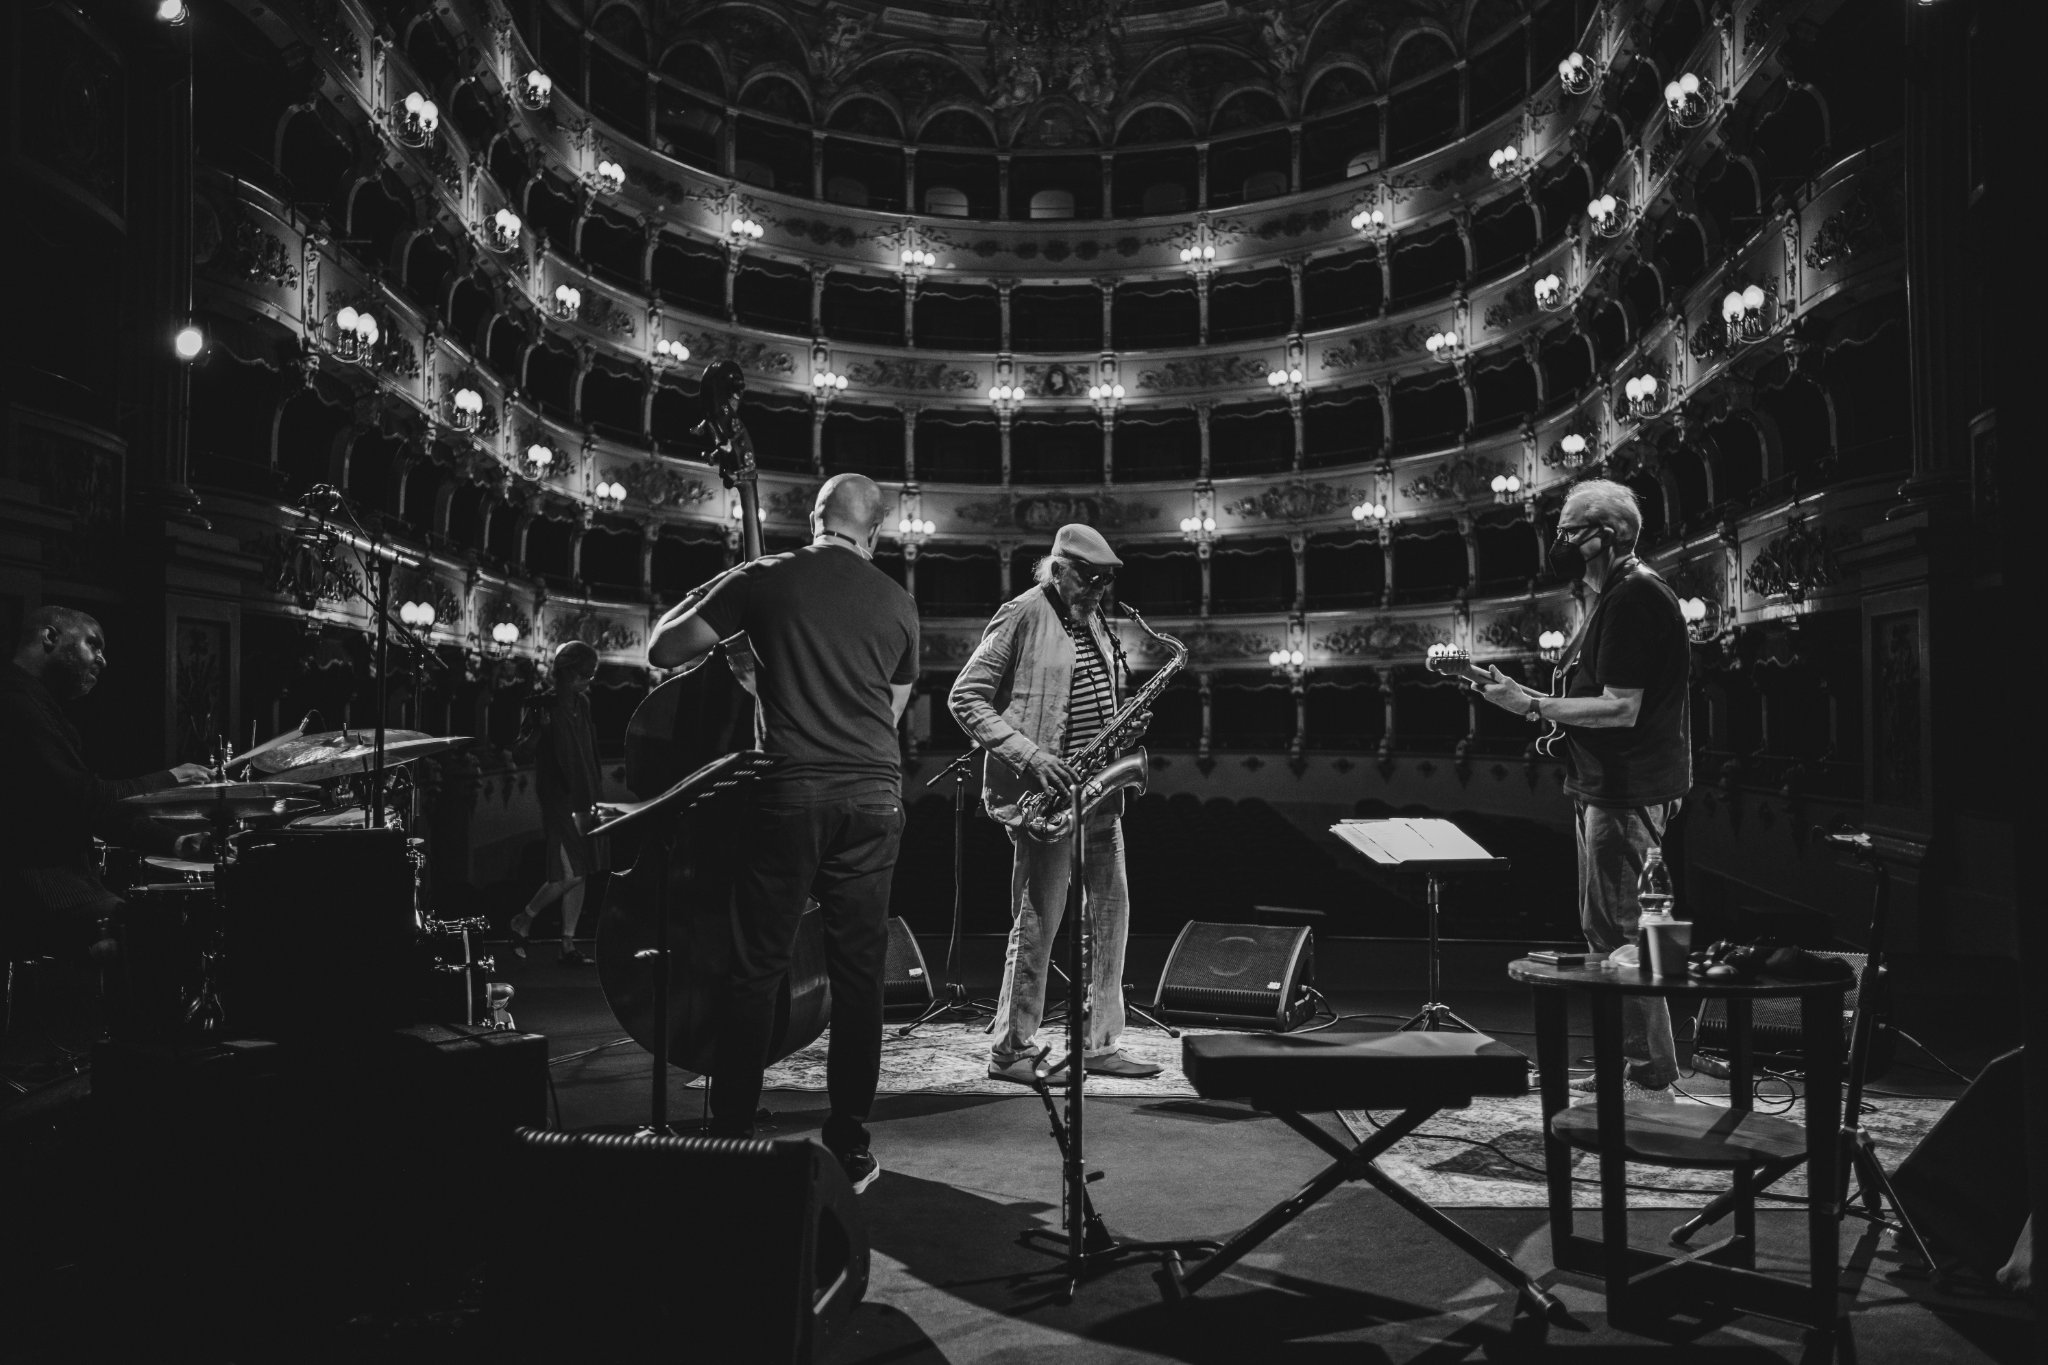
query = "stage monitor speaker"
{"x": 1239, "y": 976}
{"x": 669, "y": 1248}
{"x": 1775, "y": 1023}
{"x": 1965, "y": 1184}
{"x": 906, "y": 985}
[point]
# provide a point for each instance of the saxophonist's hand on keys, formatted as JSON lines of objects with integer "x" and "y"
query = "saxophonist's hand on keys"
{"x": 1051, "y": 774}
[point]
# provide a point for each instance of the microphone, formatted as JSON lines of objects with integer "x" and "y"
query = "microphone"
{"x": 311, "y": 724}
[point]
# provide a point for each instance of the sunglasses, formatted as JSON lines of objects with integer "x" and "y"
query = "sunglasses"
{"x": 1091, "y": 574}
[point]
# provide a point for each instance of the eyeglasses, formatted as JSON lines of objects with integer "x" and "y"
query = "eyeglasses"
{"x": 1091, "y": 574}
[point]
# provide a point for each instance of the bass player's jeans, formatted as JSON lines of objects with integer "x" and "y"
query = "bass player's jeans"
{"x": 1039, "y": 875}
{"x": 1614, "y": 842}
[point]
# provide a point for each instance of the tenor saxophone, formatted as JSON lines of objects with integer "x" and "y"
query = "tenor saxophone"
{"x": 1103, "y": 766}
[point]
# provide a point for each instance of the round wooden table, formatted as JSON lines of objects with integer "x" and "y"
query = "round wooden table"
{"x": 1710, "y": 1137}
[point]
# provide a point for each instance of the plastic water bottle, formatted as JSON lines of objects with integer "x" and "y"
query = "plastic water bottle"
{"x": 1653, "y": 888}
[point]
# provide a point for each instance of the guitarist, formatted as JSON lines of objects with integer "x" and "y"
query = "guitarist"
{"x": 1624, "y": 708}
{"x": 836, "y": 643}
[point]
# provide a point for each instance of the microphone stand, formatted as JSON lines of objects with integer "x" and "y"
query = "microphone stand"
{"x": 955, "y": 996}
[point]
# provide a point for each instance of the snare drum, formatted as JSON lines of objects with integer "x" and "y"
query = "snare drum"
{"x": 163, "y": 986}
{"x": 180, "y": 870}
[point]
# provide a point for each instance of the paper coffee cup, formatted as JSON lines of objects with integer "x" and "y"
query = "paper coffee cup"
{"x": 1667, "y": 945}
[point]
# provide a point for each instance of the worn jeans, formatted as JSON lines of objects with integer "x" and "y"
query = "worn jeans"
{"x": 843, "y": 853}
{"x": 1039, "y": 875}
{"x": 1613, "y": 844}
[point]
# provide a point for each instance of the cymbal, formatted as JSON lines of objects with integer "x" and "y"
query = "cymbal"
{"x": 218, "y": 799}
{"x": 346, "y": 817}
{"x": 346, "y": 753}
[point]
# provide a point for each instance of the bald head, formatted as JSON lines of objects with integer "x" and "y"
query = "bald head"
{"x": 64, "y": 647}
{"x": 851, "y": 504}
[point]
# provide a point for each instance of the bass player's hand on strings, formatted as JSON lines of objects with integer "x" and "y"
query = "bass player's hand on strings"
{"x": 1050, "y": 773}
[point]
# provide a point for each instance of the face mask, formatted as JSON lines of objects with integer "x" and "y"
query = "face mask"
{"x": 1567, "y": 559}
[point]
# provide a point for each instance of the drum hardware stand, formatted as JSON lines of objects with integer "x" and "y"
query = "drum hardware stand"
{"x": 719, "y": 775}
{"x": 954, "y": 997}
{"x": 1859, "y": 1152}
{"x": 1089, "y": 1246}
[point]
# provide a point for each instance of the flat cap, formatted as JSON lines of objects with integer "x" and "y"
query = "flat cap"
{"x": 1084, "y": 545}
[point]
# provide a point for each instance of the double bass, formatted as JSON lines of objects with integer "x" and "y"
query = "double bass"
{"x": 683, "y": 870}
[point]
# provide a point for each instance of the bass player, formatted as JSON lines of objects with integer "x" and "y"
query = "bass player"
{"x": 1036, "y": 690}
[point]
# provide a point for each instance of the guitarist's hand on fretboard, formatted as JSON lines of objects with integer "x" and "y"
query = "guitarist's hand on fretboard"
{"x": 1504, "y": 691}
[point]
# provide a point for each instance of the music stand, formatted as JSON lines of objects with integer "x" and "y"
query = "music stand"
{"x": 1438, "y": 847}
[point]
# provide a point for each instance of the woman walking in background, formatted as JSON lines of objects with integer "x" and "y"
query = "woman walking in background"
{"x": 564, "y": 747}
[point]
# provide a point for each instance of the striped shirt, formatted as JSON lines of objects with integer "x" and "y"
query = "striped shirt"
{"x": 1093, "y": 699}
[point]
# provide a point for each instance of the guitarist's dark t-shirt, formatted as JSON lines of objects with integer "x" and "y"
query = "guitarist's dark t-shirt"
{"x": 831, "y": 632}
{"x": 1636, "y": 638}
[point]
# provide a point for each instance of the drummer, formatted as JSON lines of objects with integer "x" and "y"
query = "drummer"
{"x": 569, "y": 783}
{"x": 51, "y": 802}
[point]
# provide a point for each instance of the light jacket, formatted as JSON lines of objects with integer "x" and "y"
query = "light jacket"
{"x": 1011, "y": 696}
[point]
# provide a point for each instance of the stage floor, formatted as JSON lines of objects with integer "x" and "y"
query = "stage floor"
{"x": 967, "y": 1176}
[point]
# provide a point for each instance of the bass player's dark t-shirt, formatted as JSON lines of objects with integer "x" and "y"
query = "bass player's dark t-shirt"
{"x": 830, "y": 632}
{"x": 1636, "y": 638}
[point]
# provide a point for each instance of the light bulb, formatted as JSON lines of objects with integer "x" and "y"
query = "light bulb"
{"x": 1500, "y": 484}
{"x": 1649, "y": 385}
{"x": 189, "y": 342}
{"x": 1731, "y": 306}
{"x": 346, "y": 319}
{"x": 1688, "y": 84}
{"x": 1208, "y": 523}
{"x": 1753, "y": 298}
{"x": 1295, "y": 657}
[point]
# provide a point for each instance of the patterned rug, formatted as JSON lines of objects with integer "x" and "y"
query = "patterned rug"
{"x": 946, "y": 1058}
{"x": 1442, "y": 1163}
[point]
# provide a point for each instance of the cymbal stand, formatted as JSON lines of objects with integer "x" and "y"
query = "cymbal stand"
{"x": 954, "y": 998}
{"x": 1090, "y": 1247}
{"x": 1858, "y": 1150}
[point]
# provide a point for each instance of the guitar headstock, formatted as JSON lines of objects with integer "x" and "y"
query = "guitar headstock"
{"x": 1448, "y": 659}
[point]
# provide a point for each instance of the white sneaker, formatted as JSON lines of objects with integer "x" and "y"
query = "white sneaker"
{"x": 1630, "y": 1090}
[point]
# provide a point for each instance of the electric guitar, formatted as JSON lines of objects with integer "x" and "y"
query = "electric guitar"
{"x": 1454, "y": 662}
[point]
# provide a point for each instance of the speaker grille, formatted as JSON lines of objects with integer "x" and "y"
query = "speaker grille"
{"x": 1776, "y": 1024}
{"x": 906, "y": 984}
{"x": 1247, "y": 975}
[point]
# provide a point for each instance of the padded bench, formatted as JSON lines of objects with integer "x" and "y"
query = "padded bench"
{"x": 1417, "y": 1073}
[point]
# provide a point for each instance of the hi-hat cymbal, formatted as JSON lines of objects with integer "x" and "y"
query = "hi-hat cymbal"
{"x": 218, "y": 800}
{"x": 347, "y": 753}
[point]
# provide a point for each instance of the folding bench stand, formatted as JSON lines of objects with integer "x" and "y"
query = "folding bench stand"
{"x": 1418, "y": 1073}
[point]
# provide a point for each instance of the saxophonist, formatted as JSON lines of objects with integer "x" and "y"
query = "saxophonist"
{"x": 1042, "y": 683}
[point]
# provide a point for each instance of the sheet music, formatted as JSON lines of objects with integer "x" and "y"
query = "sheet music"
{"x": 1410, "y": 840}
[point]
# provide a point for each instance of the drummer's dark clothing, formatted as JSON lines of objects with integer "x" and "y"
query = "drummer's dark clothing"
{"x": 830, "y": 632}
{"x": 568, "y": 782}
{"x": 51, "y": 804}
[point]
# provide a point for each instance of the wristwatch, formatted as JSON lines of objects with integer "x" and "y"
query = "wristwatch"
{"x": 1533, "y": 712}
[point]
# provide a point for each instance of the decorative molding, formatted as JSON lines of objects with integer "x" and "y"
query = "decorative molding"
{"x": 1517, "y": 303}
{"x": 602, "y": 314}
{"x": 790, "y": 504}
{"x": 1059, "y": 381}
{"x": 1793, "y": 564}
{"x": 1861, "y": 224}
{"x": 1297, "y": 501}
{"x": 247, "y": 252}
{"x": 1377, "y": 347}
{"x": 331, "y": 26}
{"x": 1520, "y": 628}
{"x": 757, "y": 356}
{"x": 601, "y": 632}
{"x": 917, "y": 376}
{"x": 660, "y": 486}
{"x": 1046, "y": 512}
{"x": 1206, "y": 645}
{"x": 1205, "y": 372}
{"x": 1465, "y": 477}
{"x": 1383, "y": 638}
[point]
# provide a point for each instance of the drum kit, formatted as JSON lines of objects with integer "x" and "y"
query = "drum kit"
{"x": 297, "y": 792}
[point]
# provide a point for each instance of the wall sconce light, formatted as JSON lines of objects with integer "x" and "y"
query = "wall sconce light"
{"x": 668, "y": 352}
{"x": 1642, "y": 395}
{"x": 1293, "y": 381}
{"x": 916, "y": 261}
{"x": 1508, "y": 163}
{"x": 610, "y": 495}
{"x": 539, "y": 459}
{"x": 1608, "y": 214}
{"x": 1444, "y": 345}
{"x": 189, "y": 343}
{"x": 504, "y": 635}
{"x": 1005, "y": 397}
{"x": 1575, "y": 74}
{"x": 1550, "y": 644}
{"x": 826, "y": 383}
{"x": 1507, "y": 488}
{"x": 355, "y": 336}
{"x": 1199, "y": 256}
{"x": 1106, "y": 396}
{"x": 418, "y": 615}
{"x": 419, "y": 118}
{"x": 610, "y": 177}
{"x": 1698, "y": 614}
{"x": 567, "y": 302}
{"x": 1194, "y": 528}
{"x": 1286, "y": 658}
{"x": 173, "y": 12}
{"x": 536, "y": 90}
{"x": 915, "y": 529}
{"x": 1573, "y": 450}
{"x": 1743, "y": 311}
{"x": 1690, "y": 100}
{"x": 1549, "y": 292}
{"x": 503, "y": 232}
{"x": 466, "y": 409}
{"x": 742, "y": 232}
{"x": 1371, "y": 224}
{"x": 1374, "y": 513}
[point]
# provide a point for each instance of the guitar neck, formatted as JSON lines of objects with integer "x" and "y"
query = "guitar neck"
{"x": 751, "y": 547}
